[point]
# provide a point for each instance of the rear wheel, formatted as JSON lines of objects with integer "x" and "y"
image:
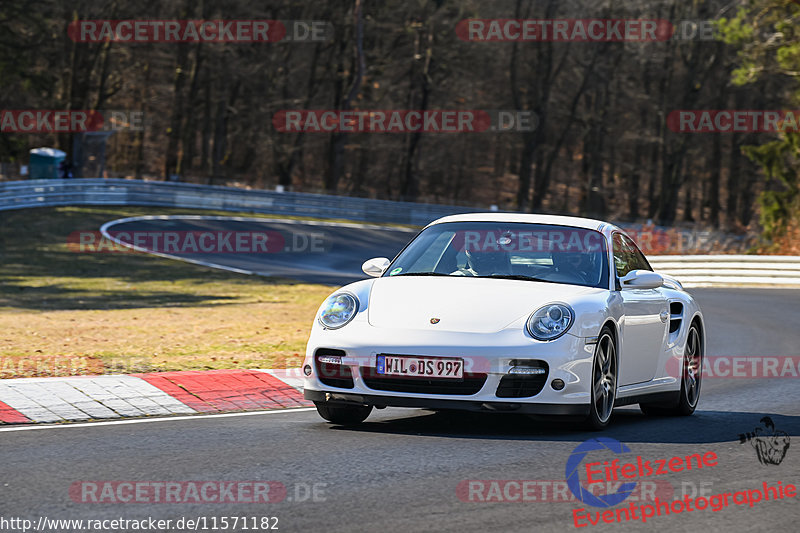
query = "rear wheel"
{"x": 690, "y": 380}
{"x": 343, "y": 414}
{"x": 604, "y": 381}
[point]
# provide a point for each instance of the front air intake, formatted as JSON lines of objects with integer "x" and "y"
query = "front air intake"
{"x": 526, "y": 378}
{"x": 330, "y": 371}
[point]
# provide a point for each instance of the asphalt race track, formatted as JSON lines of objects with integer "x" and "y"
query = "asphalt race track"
{"x": 316, "y": 252}
{"x": 400, "y": 470}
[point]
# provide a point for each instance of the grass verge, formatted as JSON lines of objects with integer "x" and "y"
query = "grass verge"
{"x": 67, "y": 313}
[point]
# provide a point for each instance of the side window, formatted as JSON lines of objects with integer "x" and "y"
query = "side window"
{"x": 627, "y": 256}
{"x": 621, "y": 256}
{"x": 639, "y": 262}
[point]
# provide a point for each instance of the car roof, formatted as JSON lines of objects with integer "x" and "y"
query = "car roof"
{"x": 555, "y": 220}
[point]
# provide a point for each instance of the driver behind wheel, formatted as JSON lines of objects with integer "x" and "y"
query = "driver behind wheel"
{"x": 480, "y": 263}
{"x": 574, "y": 265}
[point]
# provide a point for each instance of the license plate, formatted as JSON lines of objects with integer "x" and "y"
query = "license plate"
{"x": 423, "y": 367}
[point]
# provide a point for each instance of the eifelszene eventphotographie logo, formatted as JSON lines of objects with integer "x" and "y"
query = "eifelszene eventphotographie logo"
{"x": 573, "y": 468}
{"x": 626, "y": 472}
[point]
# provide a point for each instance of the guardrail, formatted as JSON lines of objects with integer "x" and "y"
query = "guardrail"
{"x": 729, "y": 270}
{"x": 691, "y": 270}
{"x": 47, "y": 193}
{"x": 50, "y": 193}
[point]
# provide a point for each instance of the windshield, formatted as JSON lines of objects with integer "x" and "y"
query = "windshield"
{"x": 535, "y": 252}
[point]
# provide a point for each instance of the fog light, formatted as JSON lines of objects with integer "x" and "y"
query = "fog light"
{"x": 330, "y": 359}
{"x": 307, "y": 370}
{"x": 527, "y": 370}
{"x": 557, "y": 384}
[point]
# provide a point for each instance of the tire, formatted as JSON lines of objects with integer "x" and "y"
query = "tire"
{"x": 691, "y": 373}
{"x": 604, "y": 381}
{"x": 346, "y": 415}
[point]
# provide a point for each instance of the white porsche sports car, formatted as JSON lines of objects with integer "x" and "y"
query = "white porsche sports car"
{"x": 508, "y": 313}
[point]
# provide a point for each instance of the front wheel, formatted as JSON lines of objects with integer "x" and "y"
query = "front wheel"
{"x": 343, "y": 414}
{"x": 604, "y": 381}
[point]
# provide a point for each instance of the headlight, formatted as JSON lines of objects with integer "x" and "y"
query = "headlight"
{"x": 550, "y": 322}
{"x": 338, "y": 310}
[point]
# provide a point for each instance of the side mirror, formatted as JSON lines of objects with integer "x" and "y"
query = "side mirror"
{"x": 641, "y": 279}
{"x": 375, "y": 267}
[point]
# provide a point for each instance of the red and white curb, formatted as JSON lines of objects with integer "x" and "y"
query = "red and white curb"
{"x": 47, "y": 400}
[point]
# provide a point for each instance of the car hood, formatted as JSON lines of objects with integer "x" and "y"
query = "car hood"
{"x": 476, "y": 305}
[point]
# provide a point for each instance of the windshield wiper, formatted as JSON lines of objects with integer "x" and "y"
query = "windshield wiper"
{"x": 517, "y": 276}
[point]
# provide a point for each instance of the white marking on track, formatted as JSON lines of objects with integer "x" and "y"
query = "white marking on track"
{"x": 104, "y": 232}
{"x": 160, "y": 419}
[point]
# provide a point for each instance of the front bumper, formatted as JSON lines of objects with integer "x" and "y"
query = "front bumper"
{"x": 463, "y": 405}
{"x": 568, "y": 358}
